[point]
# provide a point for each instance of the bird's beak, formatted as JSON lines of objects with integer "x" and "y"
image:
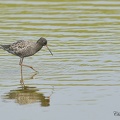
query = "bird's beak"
{"x": 49, "y": 50}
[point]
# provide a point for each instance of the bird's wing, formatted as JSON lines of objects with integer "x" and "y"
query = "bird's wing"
{"x": 18, "y": 47}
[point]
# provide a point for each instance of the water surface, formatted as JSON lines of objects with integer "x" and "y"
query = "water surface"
{"x": 81, "y": 80}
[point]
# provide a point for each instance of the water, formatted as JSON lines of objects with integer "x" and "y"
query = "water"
{"x": 81, "y": 79}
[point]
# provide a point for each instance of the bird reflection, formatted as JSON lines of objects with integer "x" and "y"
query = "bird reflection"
{"x": 28, "y": 95}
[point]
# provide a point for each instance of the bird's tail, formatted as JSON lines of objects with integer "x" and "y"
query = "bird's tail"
{"x": 4, "y": 47}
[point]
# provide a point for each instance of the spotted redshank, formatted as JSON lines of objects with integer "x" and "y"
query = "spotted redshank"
{"x": 23, "y": 49}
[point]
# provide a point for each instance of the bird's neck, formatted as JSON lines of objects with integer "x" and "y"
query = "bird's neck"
{"x": 38, "y": 47}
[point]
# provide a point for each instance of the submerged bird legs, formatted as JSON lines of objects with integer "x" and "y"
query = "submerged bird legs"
{"x": 21, "y": 64}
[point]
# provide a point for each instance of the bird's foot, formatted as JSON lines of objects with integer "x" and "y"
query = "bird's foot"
{"x": 35, "y": 73}
{"x": 34, "y": 70}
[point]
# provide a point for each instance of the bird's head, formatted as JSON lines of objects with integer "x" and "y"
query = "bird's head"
{"x": 42, "y": 41}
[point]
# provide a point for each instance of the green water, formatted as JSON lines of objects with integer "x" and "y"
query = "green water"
{"x": 81, "y": 80}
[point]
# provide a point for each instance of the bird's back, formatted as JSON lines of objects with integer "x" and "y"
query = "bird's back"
{"x": 21, "y": 48}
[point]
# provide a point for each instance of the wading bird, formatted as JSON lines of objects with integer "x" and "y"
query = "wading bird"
{"x": 24, "y": 49}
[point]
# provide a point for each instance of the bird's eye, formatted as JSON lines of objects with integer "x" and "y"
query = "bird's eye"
{"x": 44, "y": 42}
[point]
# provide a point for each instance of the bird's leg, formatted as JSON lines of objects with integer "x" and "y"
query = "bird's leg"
{"x": 20, "y": 63}
{"x": 29, "y": 67}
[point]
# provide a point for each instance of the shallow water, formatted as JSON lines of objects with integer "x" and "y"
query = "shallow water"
{"x": 81, "y": 80}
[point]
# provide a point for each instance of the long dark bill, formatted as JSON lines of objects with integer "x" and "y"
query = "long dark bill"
{"x": 49, "y": 50}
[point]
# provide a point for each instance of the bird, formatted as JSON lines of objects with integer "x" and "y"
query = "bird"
{"x": 25, "y": 48}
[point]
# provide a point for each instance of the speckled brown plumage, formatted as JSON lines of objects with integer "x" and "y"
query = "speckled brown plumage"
{"x": 24, "y": 48}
